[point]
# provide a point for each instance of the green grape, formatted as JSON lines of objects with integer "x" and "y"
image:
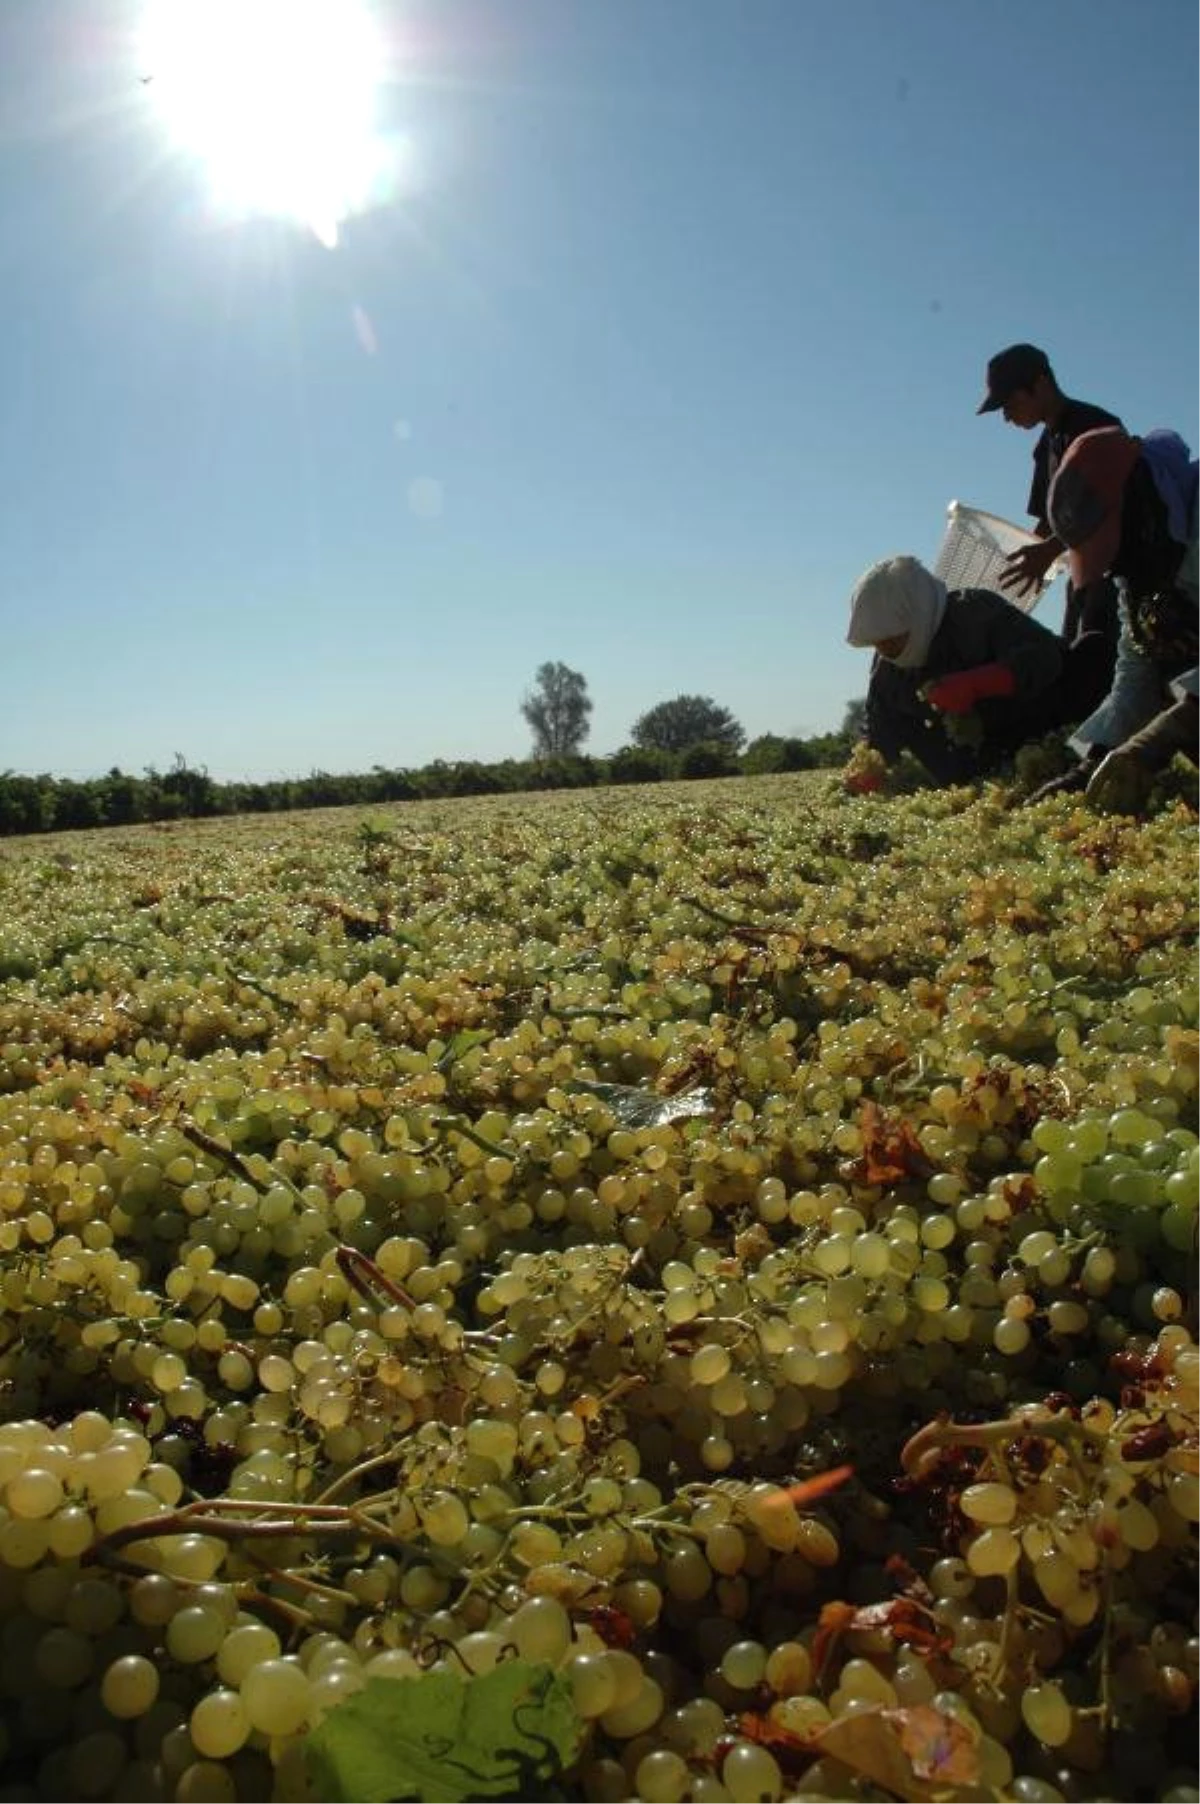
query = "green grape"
{"x": 33, "y": 1493}
{"x": 1136, "y": 1525}
{"x": 744, "y": 1664}
{"x": 95, "y": 1763}
{"x": 989, "y": 1503}
{"x": 540, "y": 1630}
{"x": 789, "y": 1669}
{"x": 1010, "y": 1336}
{"x": 717, "y": 1453}
{"x": 190, "y": 1557}
{"x": 593, "y": 1684}
{"x": 339, "y": 1682}
{"x": 129, "y": 1686}
{"x": 1058, "y": 1579}
{"x": 23, "y": 1542}
{"x": 693, "y": 1728}
{"x": 751, "y": 1772}
{"x": 662, "y": 1777}
{"x": 219, "y": 1724}
{"x": 995, "y": 1551}
{"x": 275, "y": 1696}
{"x": 1178, "y": 1224}
{"x": 862, "y": 1682}
{"x": 602, "y": 1496}
{"x": 44, "y": 1593}
{"x": 422, "y": 1588}
{"x": 710, "y": 1363}
{"x": 64, "y": 1658}
{"x": 687, "y": 1574}
{"x": 641, "y": 1599}
{"x": 1183, "y": 1494}
{"x": 1047, "y": 1714}
{"x": 93, "y": 1606}
{"x": 393, "y": 1663}
{"x": 206, "y": 1782}
{"x": 195, "y": 1633}
{"x": 1066, "y": 1317}
{"x": 70, "y": 1531}
{"x": 153, "y": 1600}
{"x": 627, "y": 1675}
{"x": 625, "y": 1721}
{"x": 725, "y": 1548}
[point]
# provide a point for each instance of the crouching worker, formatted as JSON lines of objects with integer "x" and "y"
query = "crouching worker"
{"x": 962, "y": 678}
{"x": 1127, "y": 507}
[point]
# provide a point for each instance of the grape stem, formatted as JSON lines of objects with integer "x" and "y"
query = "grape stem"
{"x": 369, "y": 1280}
{"x": 353, "y": 1474}
{"x": 303, "y": 1582}
{"x": 723, "y": 920}
{"x": 457, "y": 1124}
{"x": 237, "y": 1518}
{"x": 919, "y": 1452}
{"x": 225, "y": 1155}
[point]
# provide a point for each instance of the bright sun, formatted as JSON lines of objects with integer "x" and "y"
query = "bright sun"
{"x": 275, "y": 98}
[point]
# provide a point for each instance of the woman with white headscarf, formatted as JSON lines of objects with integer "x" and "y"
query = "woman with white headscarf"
{"x": 962, "y": 678}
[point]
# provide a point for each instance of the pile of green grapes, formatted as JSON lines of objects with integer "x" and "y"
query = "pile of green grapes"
{"x": 733, "y": 1243}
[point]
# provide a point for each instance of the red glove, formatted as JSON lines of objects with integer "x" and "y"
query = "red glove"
{"x": 958, "y": 692}
{"x": 864, "y": 782}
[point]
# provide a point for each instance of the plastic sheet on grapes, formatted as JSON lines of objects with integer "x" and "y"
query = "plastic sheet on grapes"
{"x": 635, "y": 1108}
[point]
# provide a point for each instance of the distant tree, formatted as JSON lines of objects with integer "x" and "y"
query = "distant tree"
{"x": 75, "y": 805}
{"x": 854, "y": 720}
{"x": 26, "y": 803}
{"x": 557, "y": 710}
{"x": 769, "y": 754}
{"x": 825, "y": 750}
{"x": 556, "y": 773}
{"x": 638, "y": 764}
{"x": 688, "y": 720}
{"x": 708, "y": 758}
{"x": 122, "y": 798}
{"x": 195, "y": 789}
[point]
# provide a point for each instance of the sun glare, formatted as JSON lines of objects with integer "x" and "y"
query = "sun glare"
{"x": 275, "y": 99}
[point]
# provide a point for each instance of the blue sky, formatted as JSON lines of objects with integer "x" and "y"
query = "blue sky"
{"x": 675, "y": 319}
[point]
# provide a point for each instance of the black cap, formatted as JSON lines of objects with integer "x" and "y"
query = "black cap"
{"x": 1017, "y": 367}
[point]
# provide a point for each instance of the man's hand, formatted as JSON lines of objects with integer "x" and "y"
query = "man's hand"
{"x": 1121, "y": 783}
{"x": 1174, "y": 730}
{"x": 862, "y": 782}
{"x": 1071, "y": 782}
{"x": 1024, "y": 569}
{"x": 958, "y": 692}
{"x": 866, "y": 771}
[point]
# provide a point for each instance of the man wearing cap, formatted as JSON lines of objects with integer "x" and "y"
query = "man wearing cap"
{"x": 1127, "y": 507}
{"x": 1021, "y": 385}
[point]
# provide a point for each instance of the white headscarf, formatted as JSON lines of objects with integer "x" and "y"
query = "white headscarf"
{"x": 898, "y": 596}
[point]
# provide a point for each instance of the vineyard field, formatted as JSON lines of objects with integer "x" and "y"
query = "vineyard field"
{"x": 678, "y": 1293}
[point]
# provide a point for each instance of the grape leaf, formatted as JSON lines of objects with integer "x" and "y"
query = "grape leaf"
{"x": 441, "y": 1737}
{"x": 917, "y": 1753}
{"x": 891, "y": 1151}
{"x": 461, "y": 1043}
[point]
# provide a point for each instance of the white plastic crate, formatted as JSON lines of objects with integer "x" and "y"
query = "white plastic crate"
{"x": 973, "y": 549}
